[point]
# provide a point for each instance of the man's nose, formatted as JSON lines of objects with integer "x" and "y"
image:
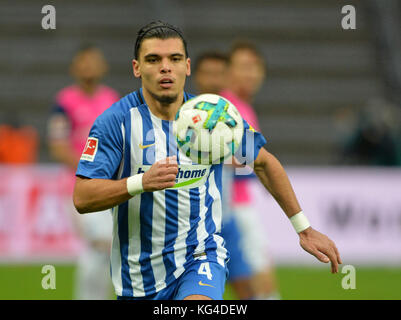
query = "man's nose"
{"x": 165, "y": 66}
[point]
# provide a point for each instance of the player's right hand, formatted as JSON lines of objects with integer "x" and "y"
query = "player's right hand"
{"x": 161, "y": 175}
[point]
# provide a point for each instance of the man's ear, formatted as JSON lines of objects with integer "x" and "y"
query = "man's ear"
{"x": 136, "y": 69}
{"x": 188, "y": 67}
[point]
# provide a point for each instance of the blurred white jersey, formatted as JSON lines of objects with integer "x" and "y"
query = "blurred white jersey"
{"x": 97, "y": 225}
{"x": 93, "y": 273}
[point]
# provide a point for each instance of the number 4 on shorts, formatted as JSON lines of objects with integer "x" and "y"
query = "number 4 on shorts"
{"x": 204, "y": 269}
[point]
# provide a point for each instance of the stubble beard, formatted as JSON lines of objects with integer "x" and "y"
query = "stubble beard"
{"x": 164, "y": 99}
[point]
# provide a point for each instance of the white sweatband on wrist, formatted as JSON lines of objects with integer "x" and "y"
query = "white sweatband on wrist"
{"x": 134, "y": 184}
{"x": 300, "y": 222}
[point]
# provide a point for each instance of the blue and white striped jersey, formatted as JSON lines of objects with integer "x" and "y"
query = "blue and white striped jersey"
{"x": 155, "y": 234}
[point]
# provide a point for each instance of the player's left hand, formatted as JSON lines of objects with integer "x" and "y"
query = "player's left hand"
{"x": 321, "y": 247}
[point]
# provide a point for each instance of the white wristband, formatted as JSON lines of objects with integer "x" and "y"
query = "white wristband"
{"x": 134, "y": 184}
{"x": 300, "y": 222}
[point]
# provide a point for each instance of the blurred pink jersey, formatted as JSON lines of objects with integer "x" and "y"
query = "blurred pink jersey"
{"x": 241, "y": 187}
{"x": 82, "y": 110}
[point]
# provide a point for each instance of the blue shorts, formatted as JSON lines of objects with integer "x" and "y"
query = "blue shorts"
{"x": 237, "y": 265}
{"x": 202, "y": 277}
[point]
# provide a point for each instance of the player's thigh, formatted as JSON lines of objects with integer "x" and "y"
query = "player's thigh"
{"x": 252, "y": 240}
{"x": 238, "y": 266}
{"x": 202, "y": 278}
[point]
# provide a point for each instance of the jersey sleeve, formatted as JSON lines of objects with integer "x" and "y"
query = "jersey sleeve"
{"x": 103, "y": 151}
{"x": 58, "y": 125}
{"x": 252, "y": 142}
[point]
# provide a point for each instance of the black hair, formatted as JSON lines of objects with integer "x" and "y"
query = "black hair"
{"x": 161, "y": 30}
{"x": 210, "y": 55}
{"x": 86, "y": 46}
{"x": 246, "y": 45}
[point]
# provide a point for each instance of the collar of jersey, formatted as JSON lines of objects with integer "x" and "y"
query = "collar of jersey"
{"x": 142, "y": 100}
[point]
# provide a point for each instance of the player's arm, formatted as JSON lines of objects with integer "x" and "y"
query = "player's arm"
{"x": 59, "y": 143}
{"x": 273, "y": 176}
{"x": 60, "y": 151}
{"x": 91, "y": 195}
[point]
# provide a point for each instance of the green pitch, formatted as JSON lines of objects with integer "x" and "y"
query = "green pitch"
{"x": 25, "y": 282}
{"x": 305, "y": 283}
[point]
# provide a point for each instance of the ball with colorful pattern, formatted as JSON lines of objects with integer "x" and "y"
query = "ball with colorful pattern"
{"x": 208, "y": 129}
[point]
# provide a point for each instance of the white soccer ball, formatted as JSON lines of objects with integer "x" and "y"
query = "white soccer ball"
{"x": 208, "y": 129}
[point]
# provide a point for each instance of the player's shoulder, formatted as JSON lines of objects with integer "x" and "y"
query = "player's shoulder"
{"x": 67, "y": 92}
{"x": 117, "y": 112}
{"x": 64, "y": 100}
{"x": 109, "y": 91}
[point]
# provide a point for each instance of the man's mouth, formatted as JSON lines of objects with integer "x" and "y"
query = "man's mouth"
{"x": 166, "y": 83}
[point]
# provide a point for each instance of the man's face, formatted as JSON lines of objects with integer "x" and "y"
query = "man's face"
{"x": 163, "y": 68}
{"x": 246, "y": 71}
{"x": 211, "y": 75}
{"x": 89, "y": 66}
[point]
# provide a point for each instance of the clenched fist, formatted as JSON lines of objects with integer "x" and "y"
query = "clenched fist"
{"x": 161, "y": 175}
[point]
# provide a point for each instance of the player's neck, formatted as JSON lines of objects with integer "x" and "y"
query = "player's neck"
{"x": 163, "y": 111}
{"x": 242, "y": 95}
{"x": 88, "y": 87}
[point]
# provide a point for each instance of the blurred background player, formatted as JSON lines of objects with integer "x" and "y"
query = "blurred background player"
{"x": 76, "y": 108}
{"x": 210, "y": 74}
{"x": 246, "y": 72}
{"x": 251, "y": 273}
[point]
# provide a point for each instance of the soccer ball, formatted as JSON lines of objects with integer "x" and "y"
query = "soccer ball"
{"x": 208, "y": 129}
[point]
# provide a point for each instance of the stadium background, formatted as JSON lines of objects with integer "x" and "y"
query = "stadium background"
{"x": 319, "y": 78}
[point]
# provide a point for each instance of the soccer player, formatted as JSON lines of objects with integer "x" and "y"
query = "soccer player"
{"x": 76, "y": 108}
{"x": 210, "y": 74}
{"x": 246, "y": 72}
{"x": 166, "y": 242}
{"x": 251, "y": 273}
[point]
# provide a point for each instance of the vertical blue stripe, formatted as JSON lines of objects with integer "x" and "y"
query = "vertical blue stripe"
{"x": 139, "y": 96}
{"x": 148, "y": 133}
{"x": 123, "y": 217}
{"x": 218, "y": 177}
{"x": 192, "y": 239}
{"x": 194, "y": 218}
{"x": 171, "y": 198}
{"x": 210, "y": 227}
{"x": 186, "y": 98}
{"x": 146, "y": 206}
{"x": 171, "y": 142}
{"x": 166, "y": 130}
{"x": 134, "y": 98}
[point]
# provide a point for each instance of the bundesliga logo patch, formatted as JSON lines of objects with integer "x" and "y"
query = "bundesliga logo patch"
{"x": 90, "y": 149}
{"x": 196, "y": 118}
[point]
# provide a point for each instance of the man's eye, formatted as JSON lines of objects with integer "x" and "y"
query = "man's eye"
{"x": 175, "y": 59}
{"x": 151, "y": 60}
